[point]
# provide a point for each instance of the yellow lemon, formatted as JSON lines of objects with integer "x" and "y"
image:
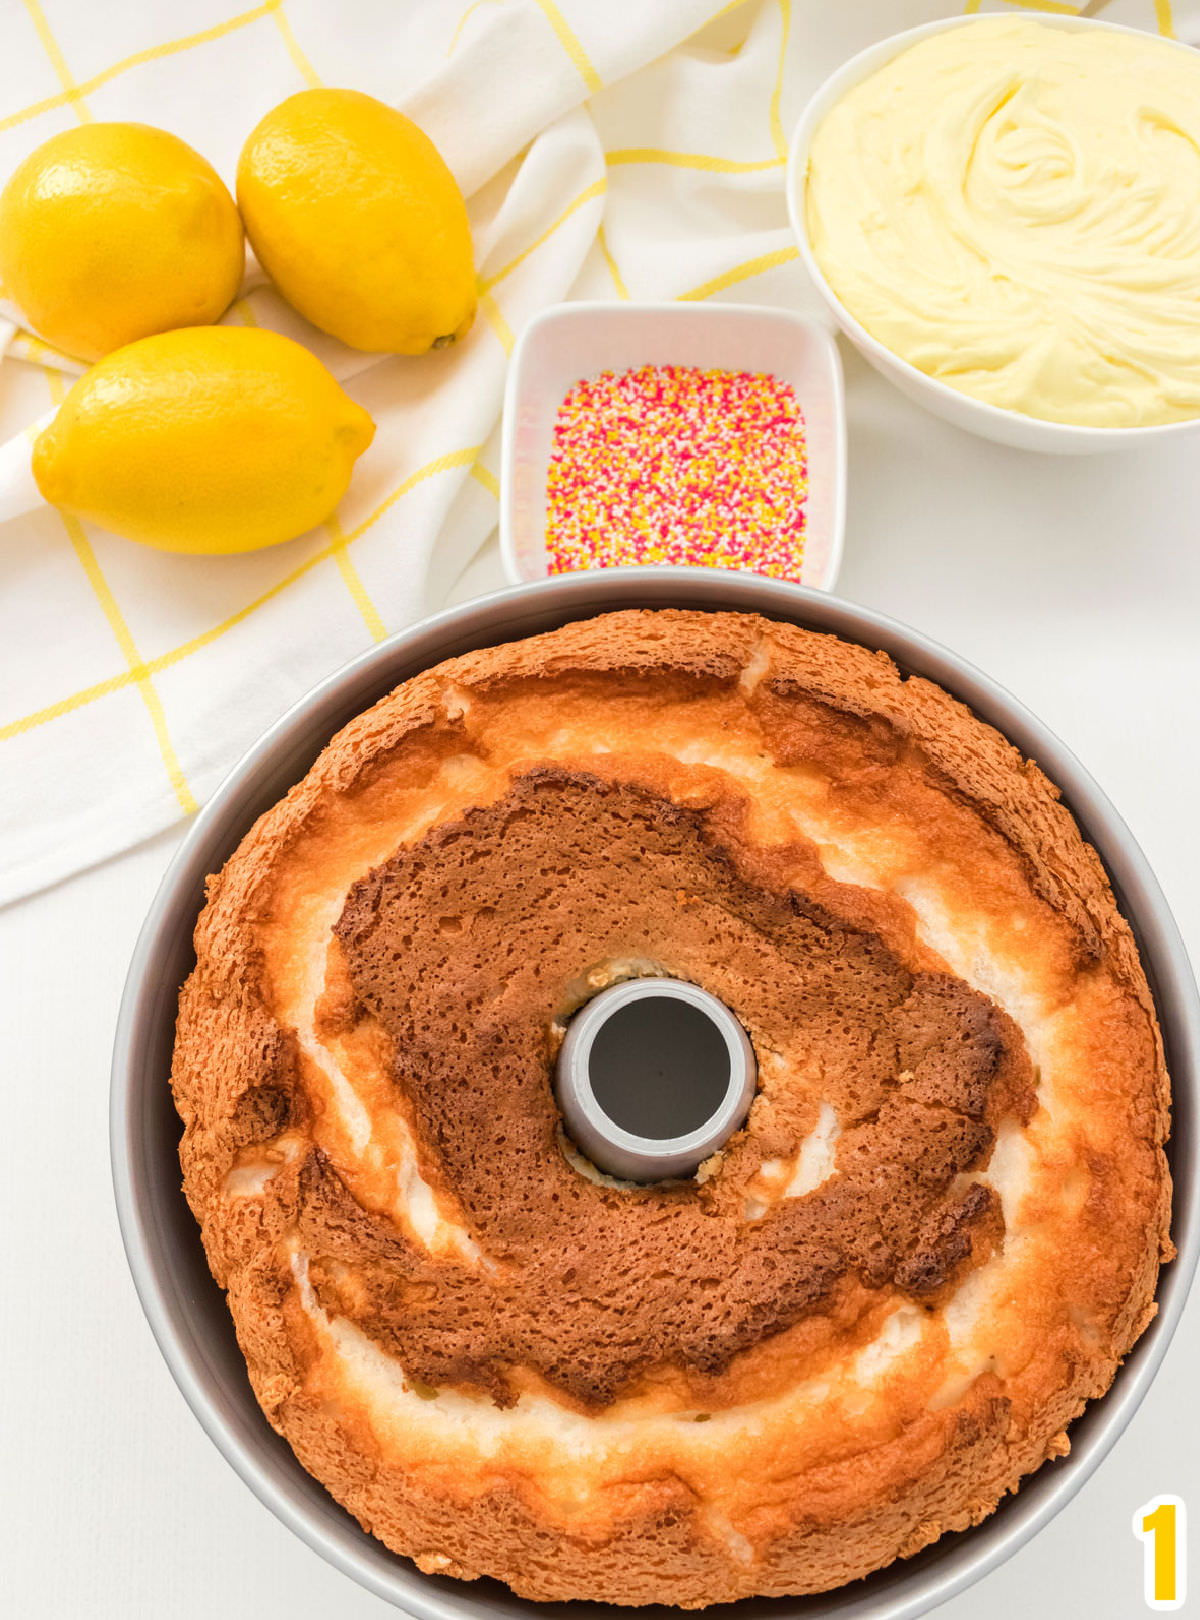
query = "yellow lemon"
{"x": 111, "y": 232}
{"x": 210, "y": 439}
{"x": 358, "y": 222}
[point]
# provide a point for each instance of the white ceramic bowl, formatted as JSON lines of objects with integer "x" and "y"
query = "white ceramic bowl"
{"x": 571, "y": 341}
{"x": 989, "y": 421}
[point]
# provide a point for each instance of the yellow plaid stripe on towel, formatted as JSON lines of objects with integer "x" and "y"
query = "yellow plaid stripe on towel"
{"x": 608, "y": 148}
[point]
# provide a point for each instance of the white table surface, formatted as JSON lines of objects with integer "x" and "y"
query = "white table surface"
{"x": 1075, "y": 582}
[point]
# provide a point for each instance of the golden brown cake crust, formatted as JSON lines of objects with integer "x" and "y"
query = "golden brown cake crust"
{"x": 872, "y": 1314}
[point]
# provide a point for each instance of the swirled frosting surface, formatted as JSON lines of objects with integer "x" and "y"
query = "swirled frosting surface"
{"x": 1014, "y": 208}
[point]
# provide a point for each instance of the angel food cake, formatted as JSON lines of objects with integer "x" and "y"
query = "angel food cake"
{"x": 861, "y": 1323}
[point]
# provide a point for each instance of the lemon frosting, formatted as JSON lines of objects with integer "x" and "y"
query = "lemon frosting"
{"x": 1014, "y": 208}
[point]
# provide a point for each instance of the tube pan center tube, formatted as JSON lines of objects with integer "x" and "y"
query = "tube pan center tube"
{"x": 654, "y": 1076}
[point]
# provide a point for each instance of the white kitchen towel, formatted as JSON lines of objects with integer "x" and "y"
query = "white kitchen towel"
{"x": 607, "y": 148}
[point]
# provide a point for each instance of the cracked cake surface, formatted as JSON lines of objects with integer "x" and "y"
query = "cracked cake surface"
{"x": 866, "y": 1319}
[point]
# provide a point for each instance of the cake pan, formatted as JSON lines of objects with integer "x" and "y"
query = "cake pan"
{"x": 187, "y": 1311}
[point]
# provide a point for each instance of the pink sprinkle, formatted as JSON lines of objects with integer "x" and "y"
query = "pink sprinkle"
{"x": 674, "y": 464}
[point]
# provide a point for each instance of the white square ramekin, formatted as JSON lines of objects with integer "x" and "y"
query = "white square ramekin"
{"x": 571, "y": 341}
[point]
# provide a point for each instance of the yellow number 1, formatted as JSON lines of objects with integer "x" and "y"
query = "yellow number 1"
{"x": 1161, "y": 1525}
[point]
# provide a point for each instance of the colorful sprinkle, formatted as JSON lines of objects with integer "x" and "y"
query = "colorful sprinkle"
{"x": 674, "y": 464}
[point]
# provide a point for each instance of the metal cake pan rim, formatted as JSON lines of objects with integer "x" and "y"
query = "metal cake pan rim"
{"x": 183, "y": 1327}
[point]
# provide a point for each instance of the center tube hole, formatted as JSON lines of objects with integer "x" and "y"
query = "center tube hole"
{"x": 659, "y": 1068}
{"x": 653, "y": 1077}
